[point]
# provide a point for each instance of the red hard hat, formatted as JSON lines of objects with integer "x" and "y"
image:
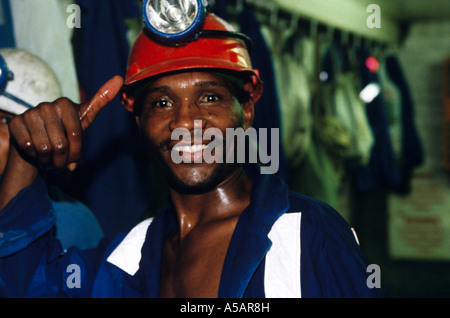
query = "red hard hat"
{"x": 150, "y": 58}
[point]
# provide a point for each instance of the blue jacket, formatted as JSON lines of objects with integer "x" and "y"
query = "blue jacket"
{"x": 284, "y": 245}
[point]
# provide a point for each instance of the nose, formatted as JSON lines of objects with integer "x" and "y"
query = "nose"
{"x": 188, "y": 116}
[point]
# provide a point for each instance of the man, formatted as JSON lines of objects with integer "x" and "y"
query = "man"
{"x": 27, "y": 81}
{"x": 229, "y": 231}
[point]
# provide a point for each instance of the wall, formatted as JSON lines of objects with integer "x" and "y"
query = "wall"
{"x": 416, "y": 252}
{"x": 421, "y": 56}
{"x": 420, "y": 223}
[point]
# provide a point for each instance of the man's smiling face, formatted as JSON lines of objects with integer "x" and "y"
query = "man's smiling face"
{"x": 194, "y": 102}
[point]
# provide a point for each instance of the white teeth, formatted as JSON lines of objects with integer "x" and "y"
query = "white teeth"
{"x": 190, "y": 149}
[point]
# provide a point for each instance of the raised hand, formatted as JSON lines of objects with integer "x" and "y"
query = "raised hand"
{"x": 50, "y": 136}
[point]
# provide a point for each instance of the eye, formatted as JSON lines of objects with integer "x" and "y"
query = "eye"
{"x": 5, "y": 120}
{"x": 161, "y": 103}
{"x": 211, "y": 98}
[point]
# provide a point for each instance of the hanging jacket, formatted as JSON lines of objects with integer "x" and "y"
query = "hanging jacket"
{"x": 293, "y": 86}
{"x": 320, "y": 173}
{"x": 411, "y": 149}
{"x": 268, "y": 109}
{"x": 268, "y": 113}
{"x": 382, "y": 169}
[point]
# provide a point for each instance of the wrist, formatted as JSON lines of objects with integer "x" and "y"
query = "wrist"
{"x": 18, "y": 174}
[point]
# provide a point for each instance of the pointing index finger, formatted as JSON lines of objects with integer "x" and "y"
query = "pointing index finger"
{"x": 89, "y": 110}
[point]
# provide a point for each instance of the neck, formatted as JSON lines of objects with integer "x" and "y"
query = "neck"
{"x": 225, "y": 201}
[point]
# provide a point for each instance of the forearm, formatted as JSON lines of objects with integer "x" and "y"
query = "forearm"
{"x": 18, "y": 175}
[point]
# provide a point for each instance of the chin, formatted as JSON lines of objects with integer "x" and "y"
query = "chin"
{"x": 192, "y": 178}
{"x": 196, "y": 180}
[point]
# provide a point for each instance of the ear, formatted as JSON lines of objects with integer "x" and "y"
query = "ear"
{"x": 127, "y": 101}
{"x": 255, "y": 87}
{"x": 249, "y": 113}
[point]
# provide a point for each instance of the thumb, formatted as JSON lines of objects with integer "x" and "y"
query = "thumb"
{"x": 89, "y": 110}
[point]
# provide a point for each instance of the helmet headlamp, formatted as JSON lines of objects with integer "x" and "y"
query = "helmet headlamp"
{"x": 177, "y": 22}
{"x": 174, "y": 21}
